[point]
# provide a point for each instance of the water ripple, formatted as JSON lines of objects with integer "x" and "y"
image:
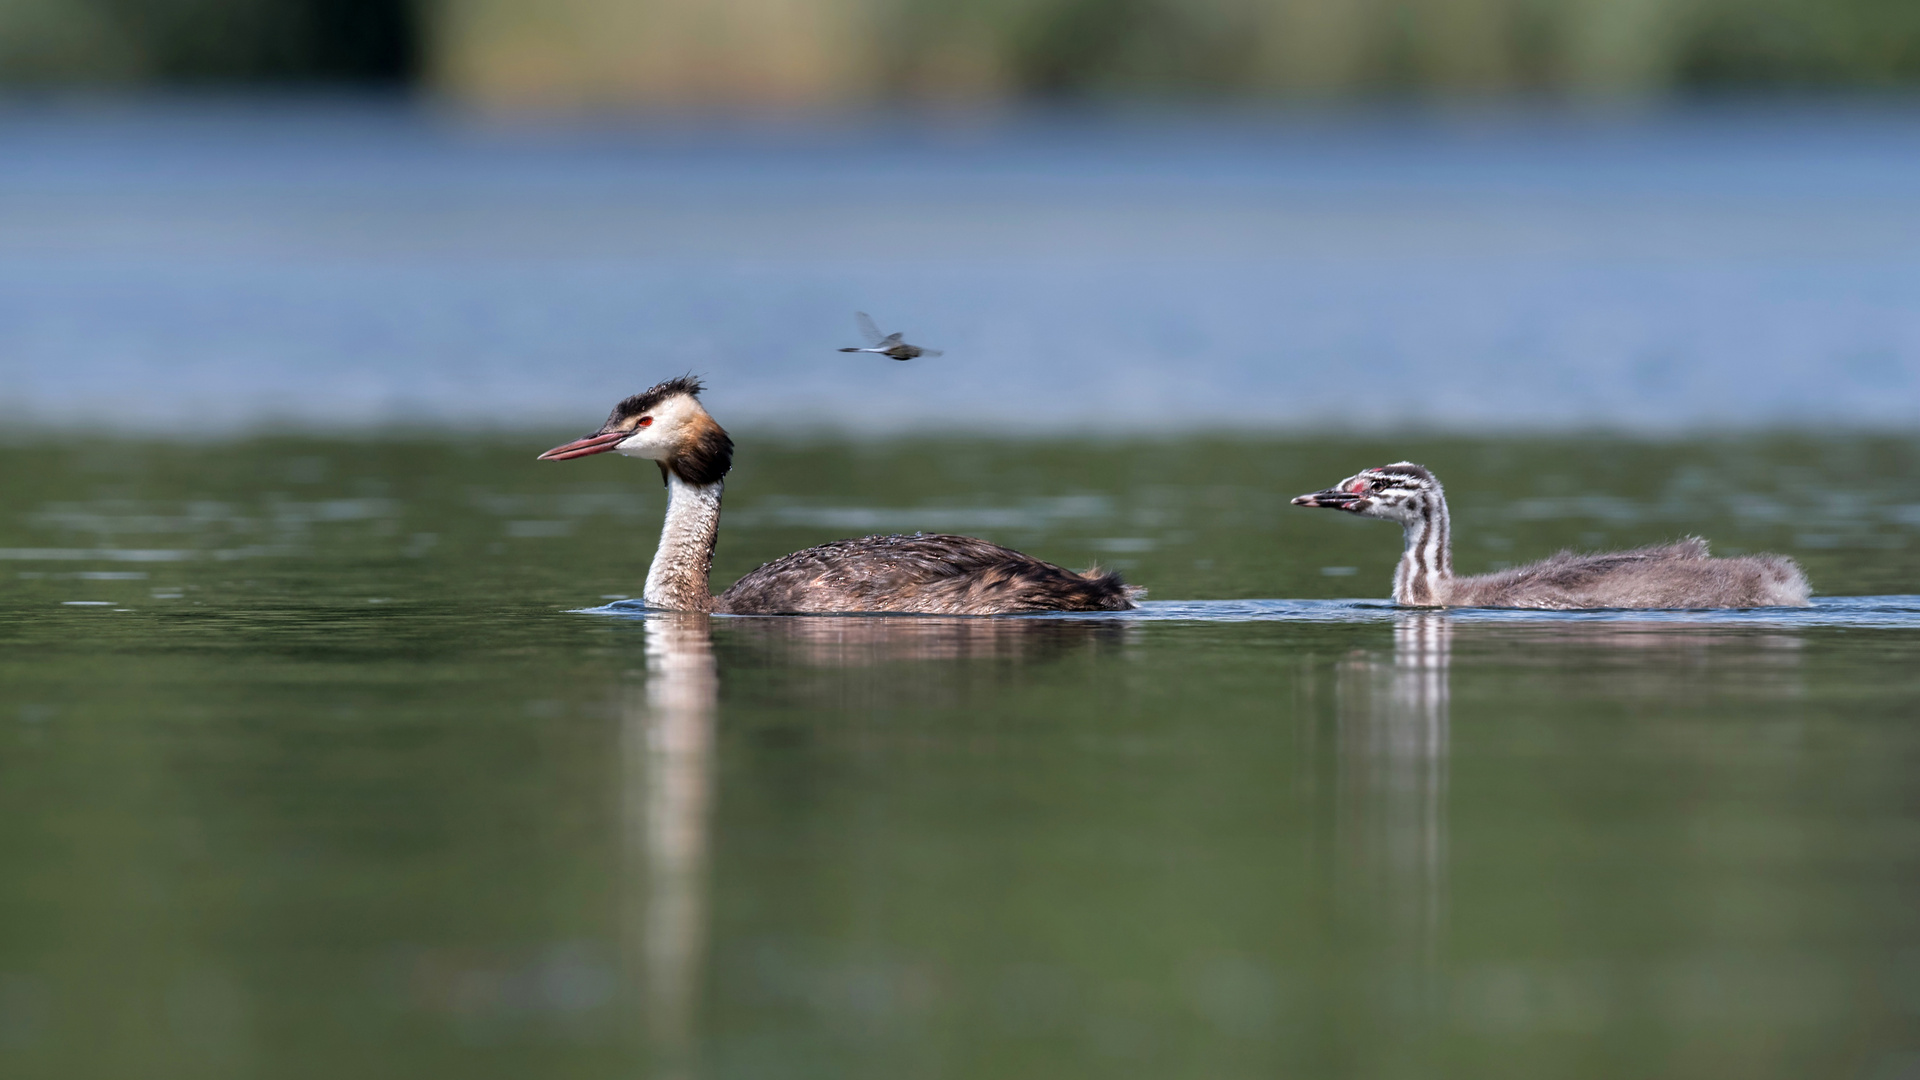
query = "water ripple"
{"x": 1898, "y": 612}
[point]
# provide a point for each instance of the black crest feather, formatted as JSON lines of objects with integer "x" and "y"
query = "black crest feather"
{"x": 650, "y": 398}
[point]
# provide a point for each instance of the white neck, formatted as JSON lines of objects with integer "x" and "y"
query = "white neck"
{"x": 677, "y": 580}
{"x": 1426, "y": 566}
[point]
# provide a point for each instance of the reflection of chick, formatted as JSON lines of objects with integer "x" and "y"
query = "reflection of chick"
{"x": 1679, "y": 575}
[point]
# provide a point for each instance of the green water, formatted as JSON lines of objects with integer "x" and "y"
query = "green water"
{"x": 307, "y": 770}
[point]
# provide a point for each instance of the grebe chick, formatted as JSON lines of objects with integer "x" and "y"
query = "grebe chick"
{"x": 1678, "y": 575}
{"x": 942, "y": 575}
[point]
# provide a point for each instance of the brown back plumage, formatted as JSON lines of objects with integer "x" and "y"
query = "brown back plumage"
{"x": 937, "y": 574}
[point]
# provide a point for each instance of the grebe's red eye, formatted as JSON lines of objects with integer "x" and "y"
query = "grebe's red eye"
{"x": 645, "y": 420}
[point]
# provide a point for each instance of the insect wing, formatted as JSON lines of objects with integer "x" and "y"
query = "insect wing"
{"x": 868, "y": 329}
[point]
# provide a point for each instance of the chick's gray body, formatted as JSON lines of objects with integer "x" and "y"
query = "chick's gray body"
{"x": 1677, "y": 575}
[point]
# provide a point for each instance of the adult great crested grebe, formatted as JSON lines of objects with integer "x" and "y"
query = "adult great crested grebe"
{"x": 944, "y": 575}
{"x": 1678, "y": 575}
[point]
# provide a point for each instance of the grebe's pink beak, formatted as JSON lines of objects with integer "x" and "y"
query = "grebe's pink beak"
{"x": 597, "y": 443}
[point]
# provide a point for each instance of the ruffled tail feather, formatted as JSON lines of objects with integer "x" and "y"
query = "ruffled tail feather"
{"x": 1109, "y": 590}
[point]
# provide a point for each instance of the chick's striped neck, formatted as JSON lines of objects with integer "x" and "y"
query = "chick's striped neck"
{"x": 1426, "y": 566}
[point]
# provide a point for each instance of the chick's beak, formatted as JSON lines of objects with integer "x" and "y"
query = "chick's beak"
{"x": 1333, "y": 499}
{"x": 597, "y": 443}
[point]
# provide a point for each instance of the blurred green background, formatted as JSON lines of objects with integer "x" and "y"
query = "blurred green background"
{"x": 826, "y": 52}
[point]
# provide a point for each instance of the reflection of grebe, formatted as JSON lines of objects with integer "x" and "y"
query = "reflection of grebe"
{"x": 944, "y": 575}
{"x": 823, "y": 641}
{"x": 1669, "y": 576}
{"x": 669, "y": 752}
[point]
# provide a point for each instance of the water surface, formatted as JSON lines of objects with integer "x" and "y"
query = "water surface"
{"x": 311, "y": 765}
